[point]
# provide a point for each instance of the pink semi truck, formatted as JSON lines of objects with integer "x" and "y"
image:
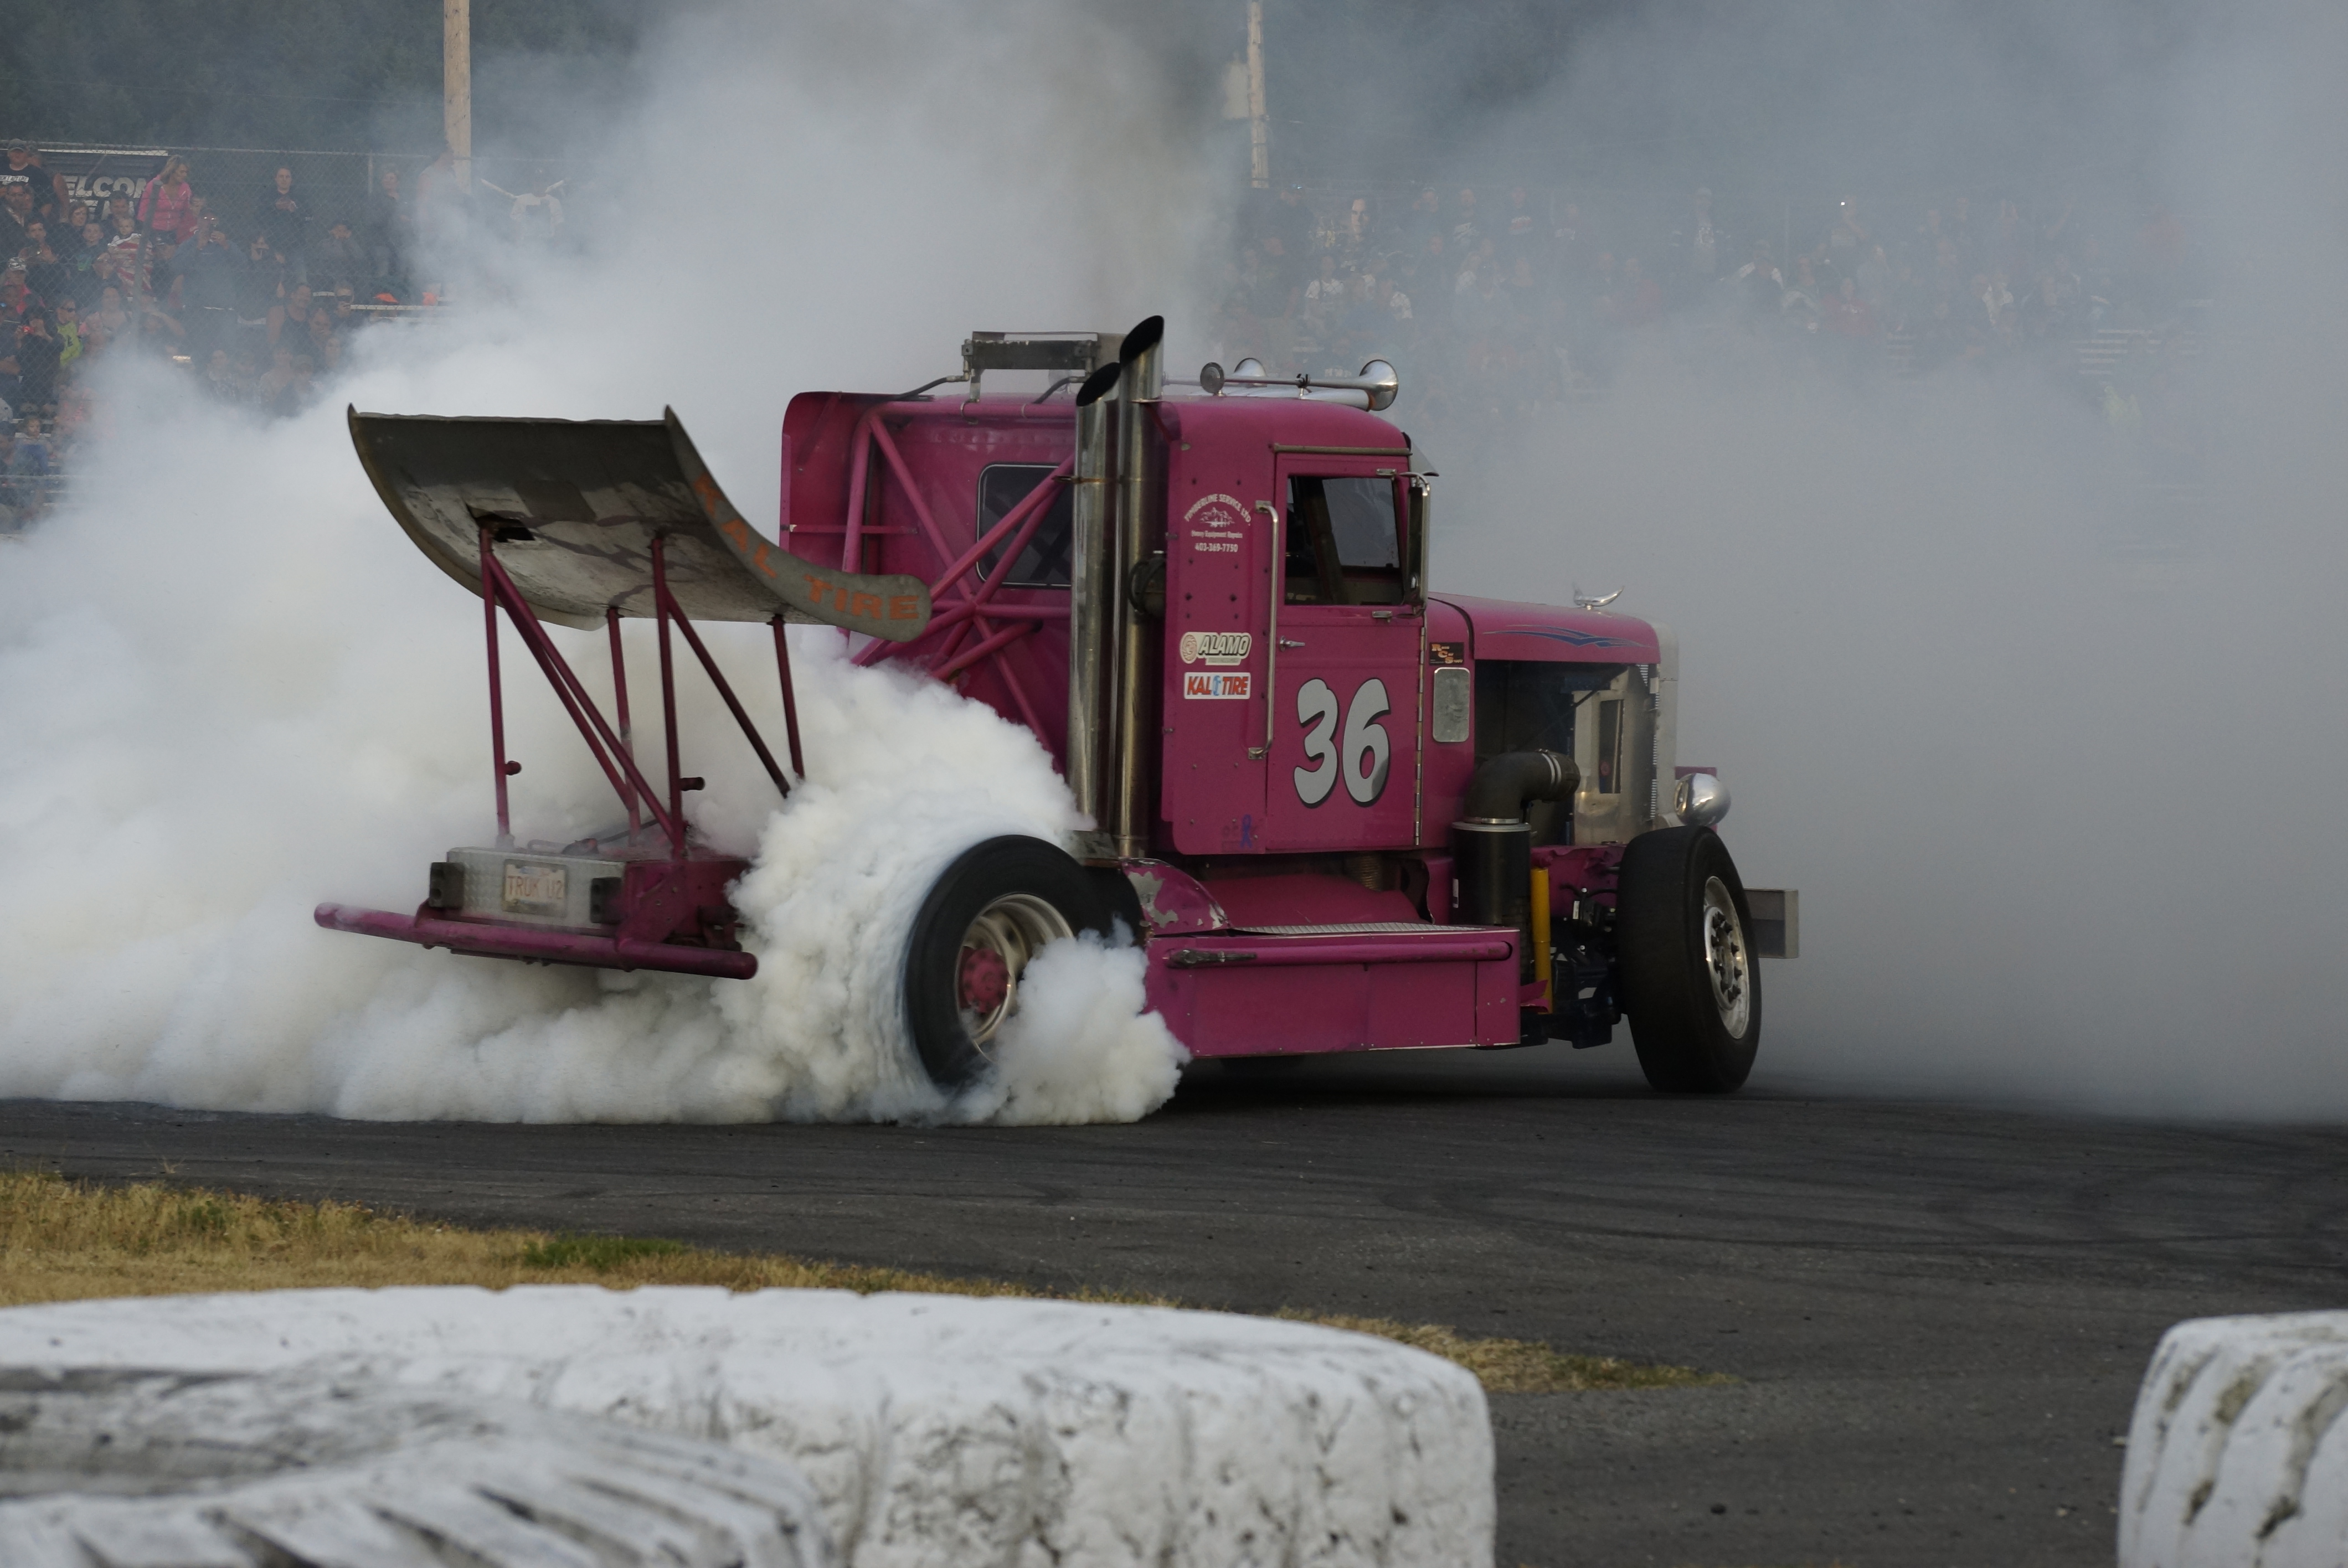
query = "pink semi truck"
{"x": 1338, "y": 810}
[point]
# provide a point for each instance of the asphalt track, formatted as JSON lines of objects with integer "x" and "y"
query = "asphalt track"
{"x": 1938, "y": 1314}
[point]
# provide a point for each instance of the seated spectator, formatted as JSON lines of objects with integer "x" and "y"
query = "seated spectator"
{"x": 1521, "y": 234}
{"x": 45, "y": 273}
{"x": 1424, "y": 219}
{"x": 2049, "y": 313}
{"x": 167, "y": 205}
{"x": 219, "y": 383}
{"x": 89, "y": 243}
{"x": 1992, "y": 295}
{"x": 163, "y": 256}
{"x": 82, "y": 261}
{"x": 1465, "y": 229}
{"x": 1394, "y": 305}
{"x": 1638, "y": 299}
{"x": 129, "y": 249}
{"x": 32, "y": 458}
{"x": 270, "y": 391}
{"x": 1847, "y": 311}
{"x": 16, "y": 218}
{"x": 160, "y": 332}
{"x": 1524, "y": 293}
{"x": 341, "y": 262}
{"x": 12, "y": 382}
{"x": 290, "y": 315}
{"x": 259, "y": 302}
{"x": 1325, "y": 296}
{"x": 112, "y": 318}
{"x": 286, "y": 224}
{"x": 67, "y": 323}
{"x": 22, "y": 167}
{"x": 17, "y": 301}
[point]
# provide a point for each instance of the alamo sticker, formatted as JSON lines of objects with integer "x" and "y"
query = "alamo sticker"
{"x": 1217, "y": 647}
{"x": 1213, "y": 684}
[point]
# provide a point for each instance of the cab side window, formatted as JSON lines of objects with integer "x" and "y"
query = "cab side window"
{"x": 1344, "y": 540}
{"x": 1044, "y": 563}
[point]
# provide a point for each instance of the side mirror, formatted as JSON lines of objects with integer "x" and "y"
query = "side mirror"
{"x": 1701, "y": 800}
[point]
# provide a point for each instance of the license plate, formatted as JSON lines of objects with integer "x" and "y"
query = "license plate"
{"x": 534, "y": 887}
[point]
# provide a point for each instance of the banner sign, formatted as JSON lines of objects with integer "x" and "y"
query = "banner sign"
{"x": 101, "y": 174}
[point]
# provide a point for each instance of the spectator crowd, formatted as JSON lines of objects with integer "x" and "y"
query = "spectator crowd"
{"x": 254, "y": 292}
{"x": 1493, "y": 303}
{"x": 1500, "y": 301}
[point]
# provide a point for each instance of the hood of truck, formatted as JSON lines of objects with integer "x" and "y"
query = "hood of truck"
{"x": 1542, "y": 633}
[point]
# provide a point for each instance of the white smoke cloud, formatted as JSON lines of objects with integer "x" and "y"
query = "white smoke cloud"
{"x": 2044, "y": 753}
{"x": 231, "y": 689}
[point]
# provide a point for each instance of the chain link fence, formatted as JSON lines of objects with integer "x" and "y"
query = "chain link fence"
{"x": 354, "y": 241}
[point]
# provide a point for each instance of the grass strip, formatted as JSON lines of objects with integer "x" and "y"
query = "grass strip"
{"x": 70, "y": 1241}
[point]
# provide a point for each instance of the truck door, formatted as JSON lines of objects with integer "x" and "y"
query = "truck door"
{"x": 1347, "y": 635}
{"x": 1219, "y": 540}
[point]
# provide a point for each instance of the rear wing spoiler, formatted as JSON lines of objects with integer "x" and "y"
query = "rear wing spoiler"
{"x": 572, "y": 508}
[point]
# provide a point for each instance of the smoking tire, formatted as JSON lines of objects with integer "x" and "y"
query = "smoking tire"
{"x": 986, "y": 916}
{"x": 1691, "y": 982}
{"x": 305, "y": 1469}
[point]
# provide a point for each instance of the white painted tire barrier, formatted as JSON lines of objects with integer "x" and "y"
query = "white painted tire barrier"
{"x": 934, "y": 1431}
{"x": 171, "y": 1470}
{"x": 2238, "y": 1455}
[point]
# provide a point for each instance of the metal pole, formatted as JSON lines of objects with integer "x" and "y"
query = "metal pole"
{"x": 496, "y": 701}
{"x": 790, "y": 699}
{"x": 1258, "y": 126}
{"x": 620, "y": 705}
{"x": 668, "y": 698}
{"x": 456, "y": 85}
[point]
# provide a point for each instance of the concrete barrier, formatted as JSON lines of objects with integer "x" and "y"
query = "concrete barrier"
{"x": 2237, "y": 1456}
{"x": 296, "y": 1470}
{"x": 933, "y": 1430}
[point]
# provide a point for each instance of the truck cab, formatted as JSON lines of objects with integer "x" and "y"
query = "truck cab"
{"x": 1277, "y": 723}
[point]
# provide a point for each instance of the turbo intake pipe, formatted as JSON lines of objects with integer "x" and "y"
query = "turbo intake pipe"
{"x": 1492, "y": 844}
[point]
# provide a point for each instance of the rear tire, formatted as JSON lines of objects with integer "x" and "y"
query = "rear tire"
{"x": 1691, "y": 981}
{"x": 988, "y": 914}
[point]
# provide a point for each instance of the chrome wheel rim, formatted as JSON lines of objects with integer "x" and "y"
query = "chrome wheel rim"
{"x": 996, "y": 949}
{"x": 1727, "y": 962}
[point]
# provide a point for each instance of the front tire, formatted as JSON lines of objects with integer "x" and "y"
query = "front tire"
{"x": 1691, "y": 980}
{"x": 985, "y": 919}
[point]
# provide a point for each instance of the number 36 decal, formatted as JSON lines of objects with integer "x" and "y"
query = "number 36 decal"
{"x": 1364, "y": 756}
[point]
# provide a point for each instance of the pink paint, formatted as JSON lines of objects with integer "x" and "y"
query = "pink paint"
{"x": 1302, "y": 898}
{"x": 536, "y": 945}
{"x": 1543, "y": 634}
{"x": 1300, "y": 995}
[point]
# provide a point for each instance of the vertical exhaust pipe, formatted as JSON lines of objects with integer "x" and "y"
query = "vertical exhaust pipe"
{"x": 1139, "y": 530}
{"x": 1094, "y": 504}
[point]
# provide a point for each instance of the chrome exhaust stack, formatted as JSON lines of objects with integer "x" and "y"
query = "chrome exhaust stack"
{"x": 1093, "y": 504}
{"x": 1117, "y": 506}
{"x": 1138, "y": 533}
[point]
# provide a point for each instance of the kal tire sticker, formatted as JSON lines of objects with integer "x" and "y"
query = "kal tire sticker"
{"x": 1213, "y": 684}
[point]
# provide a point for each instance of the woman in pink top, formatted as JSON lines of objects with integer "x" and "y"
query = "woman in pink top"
{"x": 167, "y": 205}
